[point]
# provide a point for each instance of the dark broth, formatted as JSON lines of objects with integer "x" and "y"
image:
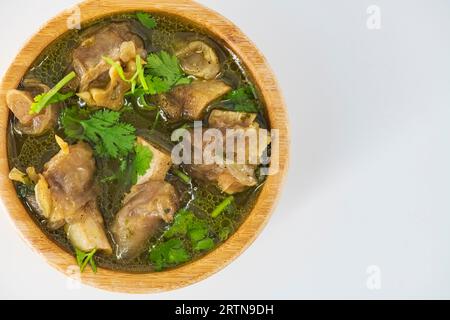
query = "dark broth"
{"x": 25, "y": 151}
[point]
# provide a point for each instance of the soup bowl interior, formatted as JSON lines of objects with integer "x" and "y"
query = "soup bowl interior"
{"x": 261, "y": 75}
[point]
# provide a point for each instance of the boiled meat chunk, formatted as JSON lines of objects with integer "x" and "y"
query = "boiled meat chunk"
{"x": 146, "y": 208}
{"x": 19, "y": 102}
{"x": 230, "y": 119}
{"x": 235, "y": 177}
{"x": 86, "y": 231}
{"x": 192, "y": 99}
{"x": 199, "y": 59}
{"x": 66, "y": 196}
{"x": 103, "y": 42}
{"x": 100, "y": 85}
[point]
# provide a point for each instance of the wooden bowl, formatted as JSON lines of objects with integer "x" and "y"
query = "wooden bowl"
{"x": 260, "y": 73}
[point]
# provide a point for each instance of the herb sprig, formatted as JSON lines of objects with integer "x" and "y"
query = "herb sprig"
{"x": 141, "y": 162}
{"x": 52, "y": 96}
{"x": 243, "y": 99}
{"x": 146, "y": 19}
{"x": 172, "y": 251}
{"x": 110, "y": 137}
{"x": 85, "y": 258}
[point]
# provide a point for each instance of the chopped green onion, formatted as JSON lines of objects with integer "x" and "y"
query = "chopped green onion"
{"x": 44, "y": 100}
{"x": 184, "y": 177}
{"x": 84, "y": 258}
{"x": 116, "y": 65}
{"x": 222, "y": 206}
{"x": 140, "y": 73}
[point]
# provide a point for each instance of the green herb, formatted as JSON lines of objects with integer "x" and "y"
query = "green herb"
{"x": 103, "y": 129}
{"x": 159, "y": 75}
{"x": 169, "y": 253}
{"x": 188, "y": 224}
{"x": 184, "y": 177}
{"x": 166, "y": 67}
{"x": 140, "y": 73}
{"x": 222, "y": 206}
{"x": 243, "y": 99}
{"x": 205, "y": 244}
{"x": 52, "y": 96}
{"x": 141, "y": 162}
{"x": 147, "y": 20}
{"x": 157, "y": 85}
{"x": 118, "y": 67}
{"x": 83, "y": 258}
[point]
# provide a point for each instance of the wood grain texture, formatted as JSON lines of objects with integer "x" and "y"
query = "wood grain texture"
{"x": 260, "y": 73}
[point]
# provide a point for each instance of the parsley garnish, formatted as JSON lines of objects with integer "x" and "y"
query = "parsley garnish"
{"x": 167, "y": 68}
{"x": 110, "y": 137}
{"x": 83, "y": 258}
{"x": 141, "y": 162}
{"x": 243, "y": 99}
{"x": 172, "y": 251}
{"x": 168, "y": 253}
{"x": 52, "y": 96}
{"x": 146, "y": 19}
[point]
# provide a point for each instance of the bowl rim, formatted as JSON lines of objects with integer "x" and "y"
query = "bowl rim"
{"x": 260, "y": 73}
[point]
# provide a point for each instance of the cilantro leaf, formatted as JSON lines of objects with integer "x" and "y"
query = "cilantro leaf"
{"x": 141, "y": 162}
{"x": 83, "y": 258}
{"x": 205, "y": 244}
{"x": 169, "y": 253}
{"x": 161, "y": 72}
{"x": 188, "y": 224}
{"x": 180, "y": 224}
{"x": 243, "y": 99}
{"x": 52, "y": 96}
{"x": 157, "y": 85}
{"x": 165, "y": 66}
{"x": 103, "y": 129}
{"x": 146, "y": 19}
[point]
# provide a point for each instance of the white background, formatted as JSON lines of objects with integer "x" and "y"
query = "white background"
{"x": 369, "y": 181}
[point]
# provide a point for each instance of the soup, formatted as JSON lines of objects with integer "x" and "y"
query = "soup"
{"x": 91, "y": 138}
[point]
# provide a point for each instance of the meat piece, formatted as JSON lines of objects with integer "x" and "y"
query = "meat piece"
{"x": 192, "y": 99}
{"x": 160, "y": 164}
{"x": 19, "y": 102}
{"x": 112, "y": 96}
{"x": 100, "y": 85}
{"x": 237, "y": 176}
{"x": 102, "y": 42}
{"x": 230, "y": 119}
{"x": 70, "y": 176}
{"x": 145, "y": 210}
{"x": 198, "y": 59}
{"x": 66, "y": 196}
{"x": 230, "y": 178}
{"x": 86, "y": 232}
{"x": 45, "y": 201}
